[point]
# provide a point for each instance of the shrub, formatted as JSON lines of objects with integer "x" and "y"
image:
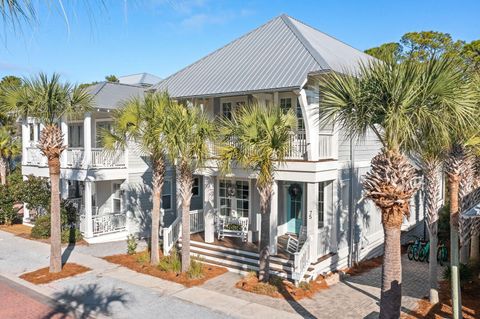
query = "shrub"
{"x": 196, "y": 268}
{"x": 71, "y": 235}
{"x": 171, "y": 263}
{"x": 305, "y": 285}
{"x": 143, "y": 257}
{"x": 41, "y": 229}
{"x": 8, "y": 213}
{"x": 131, "y": 244}
{"x": 466, "y": 273}
{"x": 265, "y": 289}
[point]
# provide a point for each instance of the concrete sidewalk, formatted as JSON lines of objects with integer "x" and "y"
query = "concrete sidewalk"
{"x": 117, "y": 292}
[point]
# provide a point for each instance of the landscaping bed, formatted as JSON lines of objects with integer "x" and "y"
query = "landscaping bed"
{"x": 364, "y": 266}
{"x": 25, "y": 231}
{"x": 168, "y": 269}
{"x": 43, "y": 276}
{"x": 281, "y": 288}
{"x": 470, "y": 303}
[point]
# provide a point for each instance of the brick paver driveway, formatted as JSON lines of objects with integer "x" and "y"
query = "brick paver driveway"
{"x": 19, "y": 302}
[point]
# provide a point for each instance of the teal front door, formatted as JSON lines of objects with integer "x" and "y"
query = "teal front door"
{"x": 294, "y": 209}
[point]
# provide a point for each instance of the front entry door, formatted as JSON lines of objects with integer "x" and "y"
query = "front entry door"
{"x": 294, "y": 208}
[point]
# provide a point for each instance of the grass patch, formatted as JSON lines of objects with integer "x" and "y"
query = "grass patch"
{"x": 43, "y": 276}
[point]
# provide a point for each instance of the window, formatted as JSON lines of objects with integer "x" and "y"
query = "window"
{"x": 242, "y": 198}
{"x": 31, "y": 129}
{"x": 321, "y": 204}
{"x": 227, "y": 110}
{"x": 285, "y": 104}
{"x": 100, "y": 128}
{"x": 196, "y": 187}
{"x": 234, "y": 197}
{"x": 117, "y": 198}
{"x": 75, "y": 135}
{"x": 300, "y": 122}
{"x": 167, "y": 195}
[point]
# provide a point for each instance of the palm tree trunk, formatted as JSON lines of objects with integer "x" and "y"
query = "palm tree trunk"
{"x": 158, "y": 180}
{"x": 432, "y": 266}
{"x": 454, "y": 181}
{"x": 265, "y": 207}
{"x": 55, "y": 230}
{"x": 391, "y": 293}
{"x": 3, "y": 170}
{"x": 432, "y": 192}
{"x": 186, "y": 183}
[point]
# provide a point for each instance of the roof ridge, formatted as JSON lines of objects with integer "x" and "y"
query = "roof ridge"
{"x": 308, "y": 46}
{"x": 154, "y": 87}
{"x": 328, "y": 35}
{"x": 124, "y": 84}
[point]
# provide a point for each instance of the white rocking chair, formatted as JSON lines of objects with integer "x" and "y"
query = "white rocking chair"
{"x": 294, "y": 244}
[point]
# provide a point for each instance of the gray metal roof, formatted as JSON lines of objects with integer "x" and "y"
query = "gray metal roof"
{"x": 144, "y": 79}
{"x": 277, "y": 55}
{"x": 108, "y": 95}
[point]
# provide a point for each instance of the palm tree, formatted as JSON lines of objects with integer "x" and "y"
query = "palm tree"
{"x": 262, "y": 141}
{"x": 9, "y": 148}
{"x": 49, "y": 100}
{"x": 143, "y": 120}
{"x": 445, "y": 94}
{"x": 390, "y": 99}
{"x": 187, "y": 136}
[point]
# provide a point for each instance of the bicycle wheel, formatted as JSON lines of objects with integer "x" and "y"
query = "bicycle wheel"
{"x": 410, "y": 252}
{"x": 442, "y": 256}
{"x": 416, "y": 252}
{"x": 421, "y": 254}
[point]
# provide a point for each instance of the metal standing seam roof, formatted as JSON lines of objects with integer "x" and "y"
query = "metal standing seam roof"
{"x": 139, "y": 79}
{"x": 277, "y": 55}
{"x": 108, "y": 95}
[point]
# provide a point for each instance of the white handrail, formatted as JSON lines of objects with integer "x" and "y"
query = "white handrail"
{"x": 301, "y": 261}
{"x": 171, "y": 234}
{"x": 197, "y": 222}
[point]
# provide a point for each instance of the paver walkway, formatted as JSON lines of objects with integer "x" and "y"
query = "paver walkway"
{"x": 116, "y": 292}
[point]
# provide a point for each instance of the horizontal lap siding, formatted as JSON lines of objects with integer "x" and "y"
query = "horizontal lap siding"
{"x": 365, "y": 148}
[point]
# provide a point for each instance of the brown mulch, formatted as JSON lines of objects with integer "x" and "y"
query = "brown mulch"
{"x": 364, "y": 266}
{"x": 25, "y": 231}
{"x": 43, "y": 276}
{"x": 470, "y": 303}
{"x": 132, "y": 262}
{"x": 281, "y": 288}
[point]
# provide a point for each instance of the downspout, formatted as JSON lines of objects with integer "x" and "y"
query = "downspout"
{"x": 351, "y": 202}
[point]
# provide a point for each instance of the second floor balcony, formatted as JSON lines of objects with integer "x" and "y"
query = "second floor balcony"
{"x": 78, "y": 158}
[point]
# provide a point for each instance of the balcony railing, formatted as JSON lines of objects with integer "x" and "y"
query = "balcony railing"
{"x": 76, "y": 158}
{"x": 325, "y": 144}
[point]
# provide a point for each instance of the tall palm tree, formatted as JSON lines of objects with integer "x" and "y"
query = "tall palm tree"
{"x": 9, "y": 148}
{"x": 447, "y": 97}
{"x": 389, "y": 99}
{"x": 188, "y": 133}
{"x": 262, "y": 141}
{"x": 49, "y": 100}
{"x": 143, "y": 120}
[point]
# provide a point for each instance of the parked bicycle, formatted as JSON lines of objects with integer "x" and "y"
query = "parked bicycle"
{"x": 419, "y": 250}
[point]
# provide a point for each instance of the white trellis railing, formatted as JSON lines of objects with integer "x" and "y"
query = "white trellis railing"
{"x": 298, "y": 146}
{"x": 75, "y": 157}
{"x": 100, "y": 158}
{"x": 197, "y": 222}
{"x": 108, "y": 223}
{"x": 301, "y": 261}
{"x": 35, "y": 157}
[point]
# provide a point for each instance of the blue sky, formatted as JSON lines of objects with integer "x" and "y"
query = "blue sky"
{"x": 162, "y": 36}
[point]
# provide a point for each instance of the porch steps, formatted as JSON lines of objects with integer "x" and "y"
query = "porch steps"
{"x": 237, "y": 260}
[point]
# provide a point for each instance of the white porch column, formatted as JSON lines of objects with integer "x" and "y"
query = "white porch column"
{"x": 87, "y": 197}
{"x": 312, "y": 218}
{"x": 274, "y": 220}
{"x": 25, "y": 140}
{"x": 310, "y": 117}
{"x": 64, "y": 128}
{"x": 87, "y": 139}
{"x": 208, "y": 208}
{"x": 26, "y": 211}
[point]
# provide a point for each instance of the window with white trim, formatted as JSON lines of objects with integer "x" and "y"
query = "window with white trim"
{"x": 75, "y": 135}
{"x": 321, "y": 204}
{"x": 117, "y": 198}
{"x": 196, "y": 187}
{"x": 234, "y": 198}
{"x": 100, "y": 128}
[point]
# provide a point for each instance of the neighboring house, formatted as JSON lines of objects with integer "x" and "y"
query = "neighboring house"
{"x": 317, "y": 191}
{"x": 139, "y": 79}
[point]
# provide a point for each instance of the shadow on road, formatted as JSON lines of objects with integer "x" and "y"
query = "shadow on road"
{"x": 84, "y": 302}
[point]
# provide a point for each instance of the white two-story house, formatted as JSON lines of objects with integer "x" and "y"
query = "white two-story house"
{"x": 317, "y": 191}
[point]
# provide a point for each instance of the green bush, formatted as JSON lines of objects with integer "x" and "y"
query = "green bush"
{"x": 143, "y": 257}
{"x": 71, "y": 235}
{"x": 196, "y": 268}
{"x": 466, "y": 273}
{"x": 131, "y": 244}
{"x": 8, "y": 213}
{"x": 41, "y": 229}
{"x": 171, "y": 263}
